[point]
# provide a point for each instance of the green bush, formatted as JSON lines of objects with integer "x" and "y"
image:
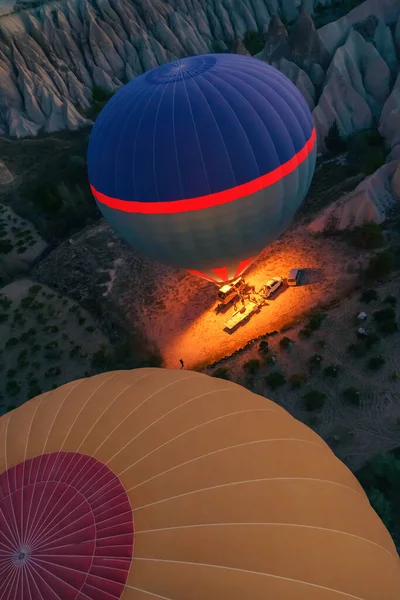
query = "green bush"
{"x": 315, "y": 321}
{"x": 332, "y": 371}
{"x": 5, "y": 247}
{"x": 305, "y": 332}
{"x": 13, "y": 341}
{"x": 368, "y": 236}
{"x": 315, "y": 360}
{"x": 53, "y": 372}
{"x": 3, "y": 318}
{"x": 51, "y": 345}
{"x": 33, "y": 391}
{"x": 11, "y": 373}
{"x": 385, "y": 314}
{"x": 51, "y": 329}
{"x": 90, "y": 328}
{"x": 352, "y": 395}
{"x": 249, "y": 381}
{"x": 296, "y": 381}
{"x": 381, "y": 265}
{"x": 221, "y": 373}
{"x": 371, "y": 340}
{"x": 99, "y": 94}
{"x": 374, "y": 161}
{"x": 369, "y": 296}
{"x": 382, "y": 505}
{"x": 275, "y": 379}
{"x": 102, "y": 360}
{"x": 46, "y": 197}
{"x": 392, "y": 300}
{"x": 333, "y": 140}
{"x": 253, "y": 41}
{"x": 263, "y": 347}
{"x": 13, "y": 388}
{"x": 314, "y": 400}
{"x": 285, "y": 343}
{"x": 252, "y": 366}
{"x": 376, "y": 362}
{"x": 388, "y": 327}
{"x": 358, "y": 350}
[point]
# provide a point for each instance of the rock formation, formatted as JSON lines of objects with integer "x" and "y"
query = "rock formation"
{"x": 372, "y": 200}
{"x": 52, "y": 56}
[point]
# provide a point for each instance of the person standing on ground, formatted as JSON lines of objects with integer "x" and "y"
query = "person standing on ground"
{"x": 182, "y": 363}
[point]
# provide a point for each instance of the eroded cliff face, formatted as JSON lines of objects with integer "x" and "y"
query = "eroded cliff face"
{"x": 53, "y": 55}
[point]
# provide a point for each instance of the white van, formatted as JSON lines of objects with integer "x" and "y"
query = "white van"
{"x": 294, "y": 277}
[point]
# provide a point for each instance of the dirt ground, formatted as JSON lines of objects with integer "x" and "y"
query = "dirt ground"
{"x": 51, "y": 341}
{"x": 356, "y": 433}
{"x": 22, "y": 236}
{"x": 181, "y": 319}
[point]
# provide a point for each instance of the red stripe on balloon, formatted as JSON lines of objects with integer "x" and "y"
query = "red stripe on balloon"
{"x": 240, "y": 191}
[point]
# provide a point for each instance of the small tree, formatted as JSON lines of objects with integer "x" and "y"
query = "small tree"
{"x": 221, "y": 373}
{"x": 382, "y": 505}
{"x": 253, "y": 41}
{"x": 275, "y": 379}
{"x": 388, "y": 327}
{"x": 376, "y": 362}
{"x": 384, "y": 314}
{"x": 263, "y": 347}
{"x": 352, "y": 395}
{"x": 249, "y": 381}
{"x": 371, "y": 340}
{"x": 315, "y": 361}
{"x": 392, "y": 300}
{"x": 13, "y": 388}
{"x": 368, "y": 236}
{"x": 333, "y": 140}
{"x": 358, "y": 350}
{"x": 306, "y": 332}
{"x": 53, "y": 372}
{"x": 100, "y": 94}
{"x": 34, "y": 289}
{"x": 381, "y": 265}
{"x": 252, "y": 366}
{"x": 331, "y": 371}
{"x": 285, "y": 343}
{"x": 369, "y": 296}
{"x": 374, "y": 161}
{"x": 315, "y": 321}
{"x": 314, "y": 400}
{"x": 296, "y": 381}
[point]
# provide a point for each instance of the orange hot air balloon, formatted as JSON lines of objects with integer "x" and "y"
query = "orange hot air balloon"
{"x": 161, "y": 484}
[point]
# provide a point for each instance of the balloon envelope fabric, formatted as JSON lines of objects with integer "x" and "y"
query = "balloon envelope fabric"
{"x": 203, "y": 162}
{"x": 169, "y": 484}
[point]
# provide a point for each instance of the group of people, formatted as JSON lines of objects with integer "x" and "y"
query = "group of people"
{"x": 244, "y": 296}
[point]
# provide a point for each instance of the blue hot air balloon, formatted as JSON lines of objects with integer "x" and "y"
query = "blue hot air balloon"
{"x": 203, "y": 162}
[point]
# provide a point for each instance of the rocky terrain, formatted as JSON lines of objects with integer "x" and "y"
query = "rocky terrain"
{"x": 51, "y": 56}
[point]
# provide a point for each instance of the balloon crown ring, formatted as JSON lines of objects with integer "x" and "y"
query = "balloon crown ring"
{"x": 181, "y": 69}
